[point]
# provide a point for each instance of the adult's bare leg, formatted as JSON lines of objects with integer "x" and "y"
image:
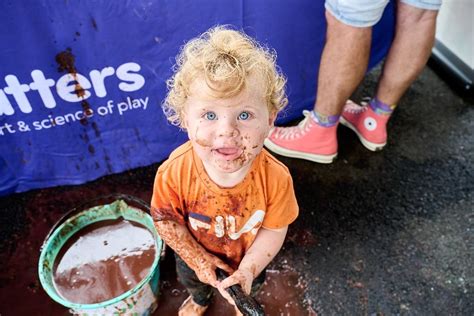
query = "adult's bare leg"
{"x": 410, "y": 50}
{"x": 343, "y": 64}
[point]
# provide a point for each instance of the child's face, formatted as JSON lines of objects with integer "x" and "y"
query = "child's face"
{"x": 227, "y": 134}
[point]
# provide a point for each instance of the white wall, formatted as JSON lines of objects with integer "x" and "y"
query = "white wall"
{"x": 455, "y": 28}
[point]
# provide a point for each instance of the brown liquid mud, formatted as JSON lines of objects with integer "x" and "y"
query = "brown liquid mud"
{"x": 104, "y": 260}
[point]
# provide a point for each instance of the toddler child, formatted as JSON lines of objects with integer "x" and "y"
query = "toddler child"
{"x": 221, "y": 200}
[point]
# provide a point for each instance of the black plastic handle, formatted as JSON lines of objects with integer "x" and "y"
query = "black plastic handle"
{"x": 246, "y": 304}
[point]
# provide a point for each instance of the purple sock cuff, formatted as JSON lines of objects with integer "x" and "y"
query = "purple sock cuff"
{"x": 379, "y": 107}
{"x": 325, "y": 120}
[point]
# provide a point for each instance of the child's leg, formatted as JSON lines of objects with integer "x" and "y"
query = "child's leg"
{"x": 201, "y": 293}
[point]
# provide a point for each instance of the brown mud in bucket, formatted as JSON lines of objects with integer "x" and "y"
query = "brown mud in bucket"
{"x": 103, "y": 259}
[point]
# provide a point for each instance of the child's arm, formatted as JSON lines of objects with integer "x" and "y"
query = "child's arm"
{"x": 196, "y": 257}
{"x": 263, "y": 250}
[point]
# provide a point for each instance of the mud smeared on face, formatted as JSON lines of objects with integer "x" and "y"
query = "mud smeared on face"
{"x": 204, "y": 142}
{"x": 249, "y": 152}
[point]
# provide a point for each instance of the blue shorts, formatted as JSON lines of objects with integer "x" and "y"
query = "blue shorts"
{"x": 365, "y": 13}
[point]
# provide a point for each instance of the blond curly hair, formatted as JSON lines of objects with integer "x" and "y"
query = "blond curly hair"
{"x": 224, "y": 58}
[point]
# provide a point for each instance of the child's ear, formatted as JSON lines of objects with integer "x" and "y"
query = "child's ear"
{"x": 272, "y": 118}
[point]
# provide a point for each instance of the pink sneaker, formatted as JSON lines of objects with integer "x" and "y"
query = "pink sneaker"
{"x": 307, "y": 141}
{"x": 370, "y": 127}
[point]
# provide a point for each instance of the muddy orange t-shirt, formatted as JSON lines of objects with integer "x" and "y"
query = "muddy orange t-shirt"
{"x": 225, "y": 221}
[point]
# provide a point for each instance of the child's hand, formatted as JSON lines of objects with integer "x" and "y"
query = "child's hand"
{"x": 242, "y": 276}
{"x": 206, "y": 269}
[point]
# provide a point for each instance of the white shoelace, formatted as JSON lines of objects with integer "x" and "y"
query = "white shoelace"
{"x": 354, "y": 108}
{"x": 297, "y": 131}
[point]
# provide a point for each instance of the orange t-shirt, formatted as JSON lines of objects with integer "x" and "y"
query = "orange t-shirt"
{"x": 225, "y": 221}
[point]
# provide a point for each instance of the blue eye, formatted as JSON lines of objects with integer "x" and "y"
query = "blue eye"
{"x": 244, "y": 116}
{"x": 211, "y": 116}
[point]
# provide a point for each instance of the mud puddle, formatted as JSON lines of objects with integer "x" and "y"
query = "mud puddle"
{"x": 282, "y": 294}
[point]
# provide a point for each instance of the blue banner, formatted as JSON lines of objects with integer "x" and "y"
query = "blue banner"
{"x": 81, "y": 82}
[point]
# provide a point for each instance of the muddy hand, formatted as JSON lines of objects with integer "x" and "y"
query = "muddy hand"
{"x": 206, "y": 269}
{"x": 235, "y": 295}
{"x": 244, "y": 277}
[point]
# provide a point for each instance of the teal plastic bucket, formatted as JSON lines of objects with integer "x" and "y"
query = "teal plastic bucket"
{"x": 140, "y": 300}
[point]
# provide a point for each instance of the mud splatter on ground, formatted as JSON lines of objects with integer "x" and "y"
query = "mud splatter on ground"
{"x": 282, "y": 293}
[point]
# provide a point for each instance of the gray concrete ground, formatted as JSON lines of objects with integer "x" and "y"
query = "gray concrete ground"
{"x": 383, "y": 233}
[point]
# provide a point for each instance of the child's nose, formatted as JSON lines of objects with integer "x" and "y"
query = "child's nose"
{"x": 228, "y": 128}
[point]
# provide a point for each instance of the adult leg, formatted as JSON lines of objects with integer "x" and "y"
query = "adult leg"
{"x": 343, "y": 65}
{"x": 411, "y": 48}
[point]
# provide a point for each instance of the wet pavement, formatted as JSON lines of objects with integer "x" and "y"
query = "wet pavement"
{"x": 381, "y": 233}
